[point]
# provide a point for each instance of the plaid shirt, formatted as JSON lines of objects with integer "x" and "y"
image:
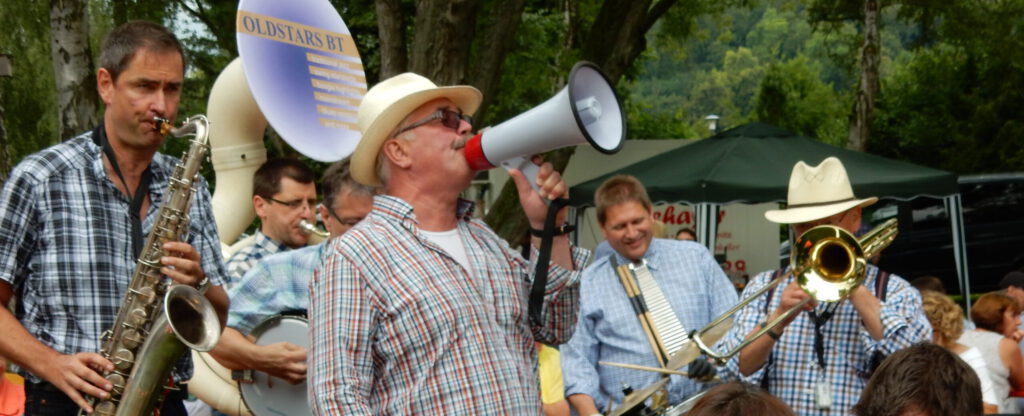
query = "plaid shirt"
{"x": 401, "y": 328}
{"x": 608, "y": 328}
{"x": 247, "y": 257}
{"x": 279, "y": 283}
{"x": 67, "y": 233}
{"x": 793, "y": 371}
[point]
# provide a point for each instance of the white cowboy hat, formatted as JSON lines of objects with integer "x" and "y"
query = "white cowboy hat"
{"x": 817, "y": 192}
{"x": 390, "y": 101}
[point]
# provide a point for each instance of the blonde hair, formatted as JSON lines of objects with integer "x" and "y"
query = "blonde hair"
{"x": 946, "y": 317}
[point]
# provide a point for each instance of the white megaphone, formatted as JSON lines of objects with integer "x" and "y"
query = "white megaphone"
{"x": 586, "y": 110}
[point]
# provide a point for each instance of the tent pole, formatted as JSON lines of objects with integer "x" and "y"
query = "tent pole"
{"x": 707, "y": 224}
{"x": 954, "y": 208}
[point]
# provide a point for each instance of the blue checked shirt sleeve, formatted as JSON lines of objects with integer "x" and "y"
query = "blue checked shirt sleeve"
{"x": 903, "y": 320}
{"x": 561, "y": 298}
{"x": 342, "y": 312}
{"x": 579, "y": 361}
{"x": 16, "y": 221}
{"x": 249, "y": 297}
{"x": 203, "y": 228}
{"x": 745, "y": 321}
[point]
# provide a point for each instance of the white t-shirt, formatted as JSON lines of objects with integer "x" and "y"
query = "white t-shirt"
{"x": 451, "y": 242}
{"x": 972, "y": 356}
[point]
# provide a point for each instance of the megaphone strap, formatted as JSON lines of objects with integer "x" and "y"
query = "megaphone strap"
{"x": 540, "y": 276}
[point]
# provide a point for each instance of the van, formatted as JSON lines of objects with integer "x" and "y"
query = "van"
{"x": 993, "y": 213}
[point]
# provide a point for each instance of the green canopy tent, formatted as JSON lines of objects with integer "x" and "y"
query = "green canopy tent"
{"x": 752, "y": 163}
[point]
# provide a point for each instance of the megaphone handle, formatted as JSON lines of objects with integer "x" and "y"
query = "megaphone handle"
{"x": 529, "y": 169}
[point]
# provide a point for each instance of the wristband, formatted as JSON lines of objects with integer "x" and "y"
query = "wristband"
{"x": 559, "y": 230}
{"x": 771, "y": 332}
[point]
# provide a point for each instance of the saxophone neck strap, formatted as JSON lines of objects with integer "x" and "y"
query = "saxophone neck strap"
{"x": 99, "y": 136}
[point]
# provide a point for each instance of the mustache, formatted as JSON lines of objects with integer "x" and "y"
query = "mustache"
{"x": 461, "y": 142}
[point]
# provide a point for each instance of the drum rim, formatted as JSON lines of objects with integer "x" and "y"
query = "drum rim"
{"x": 256, "y": 332}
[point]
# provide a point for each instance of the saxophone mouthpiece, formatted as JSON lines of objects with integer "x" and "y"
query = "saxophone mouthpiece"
{"x": 162, "y": 125}
{"x": 310, "y": 228}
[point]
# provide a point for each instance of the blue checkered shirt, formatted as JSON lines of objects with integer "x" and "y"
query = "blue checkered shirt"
{"x": 247, "y": 257}
{"x": 401, "y": 328}
{"x": 279, "y": 283}
{"x": 68, "y": 237}
{"x": 792, "y": 370}
{"x": 609, "y": 330}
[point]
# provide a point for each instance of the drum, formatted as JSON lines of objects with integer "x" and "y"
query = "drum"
{"x": 267, "y": 395}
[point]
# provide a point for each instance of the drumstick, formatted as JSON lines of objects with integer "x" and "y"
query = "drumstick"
{"x": 644, "y": 368}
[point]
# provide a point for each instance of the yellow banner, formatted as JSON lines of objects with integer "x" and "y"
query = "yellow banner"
{"x": 293, "y": 33}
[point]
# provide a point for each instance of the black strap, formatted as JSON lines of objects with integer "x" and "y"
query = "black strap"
{"x": 540, "y": 277}
{"x": 819, "y": 335}
{"x": 99, "y": 136}
{"x": 881, "y": 285}
{"x": 771, "y": 354}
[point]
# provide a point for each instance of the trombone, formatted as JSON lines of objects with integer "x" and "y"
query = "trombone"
{"x": 828, "y": 262}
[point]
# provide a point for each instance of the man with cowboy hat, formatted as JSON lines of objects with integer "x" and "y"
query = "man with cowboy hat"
{"x": 421, "y": 309}
{"x": 819, "y": 360}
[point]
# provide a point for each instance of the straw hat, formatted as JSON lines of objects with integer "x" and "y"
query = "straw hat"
{"x": 390, "y": 101}
{"x": 816, "y": 192}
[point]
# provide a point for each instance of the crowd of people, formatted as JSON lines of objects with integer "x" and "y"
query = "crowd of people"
{"x": 416, "y": 307}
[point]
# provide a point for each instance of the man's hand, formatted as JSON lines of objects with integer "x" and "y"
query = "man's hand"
{"x": 283, "y": 360}
{"x": 701, "y": 370}
{"x": 77, "y": 374}
{"x": 550, "y": 185}
{"x": 792, "y": 295}
{"x": 182, "y": 263}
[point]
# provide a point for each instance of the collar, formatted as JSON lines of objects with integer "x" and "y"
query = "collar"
{"x": 652, "y": 255}
{"x": 261, "y": 240}
{"x": 397, "y": 209}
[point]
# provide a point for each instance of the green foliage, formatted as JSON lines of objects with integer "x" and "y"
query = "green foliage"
{"x": 957, "y": 104}
{"x": 29, "y": 96}
{"x": 792, "y": 96}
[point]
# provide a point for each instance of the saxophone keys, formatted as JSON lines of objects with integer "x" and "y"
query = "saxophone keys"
{"x": 123, "y": 359}
{"x": 106, "y": 408}
{"x": 146, "y": 294}
{"x": 117, "y": 380}
{"x": 132, "y": 339}
{"x": 137, "y": 317}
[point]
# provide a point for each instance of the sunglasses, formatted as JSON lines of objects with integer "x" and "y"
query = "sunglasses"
{"x": 449, "y": 118}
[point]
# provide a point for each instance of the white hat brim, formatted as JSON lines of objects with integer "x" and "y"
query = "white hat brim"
{"x": 364, "y": 158}
{"x": 806, "y": 214}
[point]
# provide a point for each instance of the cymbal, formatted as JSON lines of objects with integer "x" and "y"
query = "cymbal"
{"x": 689, "y": 351}
{"x": 637, "y": 397}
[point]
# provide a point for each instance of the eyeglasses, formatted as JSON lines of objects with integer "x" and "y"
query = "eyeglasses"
{"x": 449, "y": 118}
{"x": 295, "y": 204}
{"x": 348, "y": 223}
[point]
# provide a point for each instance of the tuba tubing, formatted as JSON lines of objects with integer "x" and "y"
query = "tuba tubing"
{"x": 236, "y": 150}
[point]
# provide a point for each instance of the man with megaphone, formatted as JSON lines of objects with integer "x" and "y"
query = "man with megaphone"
{"x": 421, "y": 309}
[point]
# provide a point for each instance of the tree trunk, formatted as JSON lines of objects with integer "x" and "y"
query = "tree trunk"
{"x": 441, "y": 44}
{"x": 391, "y": 30}
{"x": 497, "y": 37}
{"x": 864, "y": 104}
{"x": 5, "y": 156}
{"x": 77, "y": 101}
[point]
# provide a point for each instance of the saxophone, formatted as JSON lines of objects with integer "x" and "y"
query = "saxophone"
{"x": 158, "y": 320}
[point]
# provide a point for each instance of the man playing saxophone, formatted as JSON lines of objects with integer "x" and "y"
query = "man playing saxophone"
{"x": 74, "y": 217}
